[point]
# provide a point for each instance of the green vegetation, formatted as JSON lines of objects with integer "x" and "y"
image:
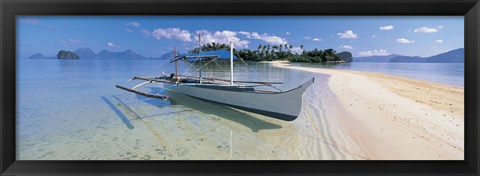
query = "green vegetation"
{"x": 280, "y": 52}
{"x": 62, "y": 54}
{"x": 345, "y": 56}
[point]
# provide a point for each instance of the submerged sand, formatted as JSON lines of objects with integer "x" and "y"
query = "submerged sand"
{"x": 192, "y": 129}
{"x": 391, "y": 117}
{"x": 347, "y": 116}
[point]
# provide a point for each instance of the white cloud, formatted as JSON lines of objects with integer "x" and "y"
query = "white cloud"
{"x": 306, "y": 37}
{"x": 134, "y": 24}
{"x": 348, "y": 34}
{"x": 374, "y": 36}
{"x": 110, "y": 44}
{"x": 440, "y": 27}
{"x": 404, "y": 40}
{"x": 128, "y": 30}
{"x": 380, "y": 52}
{"x": 386, "y": 28}
{"x": 439, "y": 41}
{"x": 224, "y": 37}
{"x": 317, "y": 39}
{"x": 288, "y": 33}
{"x": 426, "y": 30}
{"x": 169, "y": 33}
{"x": 272, "y": 39}
{"x": 345, "y": 47}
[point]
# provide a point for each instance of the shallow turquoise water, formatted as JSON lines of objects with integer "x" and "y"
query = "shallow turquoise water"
{"x": 66, "y": 102}
{"x": 70, "y": 109}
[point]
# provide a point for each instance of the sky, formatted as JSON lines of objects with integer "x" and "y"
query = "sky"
{"x": 153, "y": 36}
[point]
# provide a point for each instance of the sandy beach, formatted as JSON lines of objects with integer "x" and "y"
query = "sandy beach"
{"x": 389, "y": 117}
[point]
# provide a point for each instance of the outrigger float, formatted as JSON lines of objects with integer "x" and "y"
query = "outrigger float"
{"x": 244, "y": 95}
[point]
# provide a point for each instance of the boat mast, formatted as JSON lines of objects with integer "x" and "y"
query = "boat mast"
{"x": 199, "y": 50}
{"x": 231, "y": 63}
{"x": 176, "y": 63}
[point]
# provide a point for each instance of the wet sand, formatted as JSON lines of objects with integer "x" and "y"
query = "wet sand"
{"x": 391, "y": 117}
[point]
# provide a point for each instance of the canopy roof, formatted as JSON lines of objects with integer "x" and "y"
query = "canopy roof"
{"x": 218, "y": 54}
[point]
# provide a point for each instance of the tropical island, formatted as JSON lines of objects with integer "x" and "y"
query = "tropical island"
{"x": 281, "y": 52}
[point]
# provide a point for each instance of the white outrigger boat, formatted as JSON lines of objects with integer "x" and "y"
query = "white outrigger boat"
{"x": 244, "y": 95}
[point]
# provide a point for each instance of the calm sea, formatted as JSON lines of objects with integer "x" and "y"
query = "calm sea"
{"x": 71, "y": 110}
{"x": 445, "y": 73}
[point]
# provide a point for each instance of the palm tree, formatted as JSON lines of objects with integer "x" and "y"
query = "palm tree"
{"x": 290, "y": 50}
{"x": 301, "y": 48}
{"x": 280, "y": 53}
{"x": 263, "y": 50}
{"x": 274, "y": 50}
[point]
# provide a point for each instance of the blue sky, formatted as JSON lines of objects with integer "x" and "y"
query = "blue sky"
{"x": 153, "y": 36}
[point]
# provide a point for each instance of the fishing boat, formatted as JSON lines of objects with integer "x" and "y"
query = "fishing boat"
{"x": 245, "y": 95}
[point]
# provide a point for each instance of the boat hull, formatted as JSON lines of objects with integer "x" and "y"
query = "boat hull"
{"x": 282, "y": 105}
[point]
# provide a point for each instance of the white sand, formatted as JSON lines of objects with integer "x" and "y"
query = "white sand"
{"x": 398, "y": 118}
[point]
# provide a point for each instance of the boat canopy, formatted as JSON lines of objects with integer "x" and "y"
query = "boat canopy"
{"x": 223, "y": 54}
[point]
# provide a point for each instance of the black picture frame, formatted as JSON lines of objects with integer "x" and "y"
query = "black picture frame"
{"x": 470, "y": 9}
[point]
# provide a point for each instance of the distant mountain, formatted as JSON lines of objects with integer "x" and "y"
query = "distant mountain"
{"x": 41, "y": 56}
{"x": 375, "y": 58}
{"x": 454, "y": 56}
{"x": 166, "y": 56}
{"x": 87, "y": 53}
{"x": 127, "y": 54}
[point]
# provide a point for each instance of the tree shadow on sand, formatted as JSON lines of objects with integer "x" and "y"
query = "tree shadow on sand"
{"x": 206, "y": 107}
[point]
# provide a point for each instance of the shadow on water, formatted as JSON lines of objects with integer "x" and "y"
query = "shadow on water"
{"x": 238, "y": 117}
{"x": 118, "y": 112}
{"x": 125, "y": 120}
{"x": 125, "y": 109}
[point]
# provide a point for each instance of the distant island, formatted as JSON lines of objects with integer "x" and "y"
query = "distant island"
{"x": 62, "y": 54}
{"x": 453, "y": 56}
{"x": 88, "y": 54}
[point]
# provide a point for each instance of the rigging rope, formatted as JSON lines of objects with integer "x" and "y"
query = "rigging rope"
{"x": 248, "y": 69}
{"x": 248, "y": 66}
{"x": 166, "y": 61}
